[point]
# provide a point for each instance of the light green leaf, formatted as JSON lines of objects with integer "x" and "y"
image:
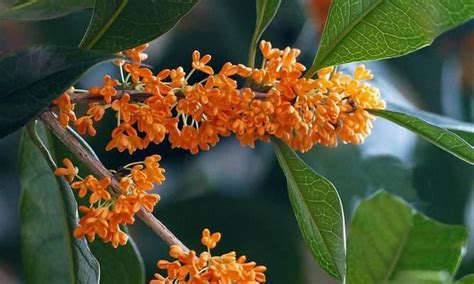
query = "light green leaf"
{"x": 266, "y": 11}
{"x": 44, "y": 9}
{"x": 30, "y": 79}
{"x": 122, "y": 265}
{"x": 468, "y": 279}
{"x": 438, "y": 136}
{"x": 118, "y": 25}
{"x": 48, "y": 213}
{"x": 387, "y": 238}
{"x": 318, "y": 210}
{"x": 360, "y": 30}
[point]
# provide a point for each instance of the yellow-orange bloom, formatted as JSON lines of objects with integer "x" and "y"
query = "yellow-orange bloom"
{"x": 200, "y": 63}
{"x": 206, "y": 268}
{"x": 66, "y": 109}
{"x": 136, "y": 73}
{"x": 107, "y": 91}
{"x": 69, "y": 172}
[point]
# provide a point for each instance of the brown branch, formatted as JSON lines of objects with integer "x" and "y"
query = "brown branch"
{"x": 138, "y": 96}
{"x": 98, "y": 168}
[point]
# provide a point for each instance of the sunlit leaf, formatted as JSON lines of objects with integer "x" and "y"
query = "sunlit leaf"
{"x": 318, "y": 210}
{"x": 389, "y": 240}
{"x": 48, "y": 213}
{"x": 44, "y": 9}
{"x": 117, "y": 25}
{"x": 463, "y": 129}
{"x": 438, "y": 136}
{"x": 468, "y": 279}
{"x": 30, "y": 79}
{"x": 360, "y": 30}
{"x": 266, "y": 11}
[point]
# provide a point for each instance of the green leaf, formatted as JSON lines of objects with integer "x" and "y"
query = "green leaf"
{"x": 117, "y": 265}
{"x": 388, "y": 239}
{"x": 468, "y": 279}
{"x": 44, "y": 9}
{"x": 266, "y": 11}
{"x": 30, "y": 79}
{"x": 48, "y": 213}
{"x": 318, "y": 210}
{"x": 118, "y": 25}
{"x": 362, "y": 30}
{"x": 438, "y": 136}
{"x": 420, "y": 277}
{"x": 463, "y": 129}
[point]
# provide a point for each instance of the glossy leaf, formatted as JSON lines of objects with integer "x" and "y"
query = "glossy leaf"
{"x": 389, "y": 240}
{"x": 30, "y": 79}
{"x": 318, "y": 210}
{"x": 463, "y": 129}
{"x": 266, "y": 11}
{"x": 438, "y": 136}
{"x": 44, "y": 9}
{"x": 362, "y": 30}
{"x": 48, "y": 213}
{"x": 468, "y": 279}
{"x": 117, "y": 265}
{"x": 117, "y": 25}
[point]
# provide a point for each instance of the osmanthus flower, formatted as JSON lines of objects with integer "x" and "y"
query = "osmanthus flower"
{"x": 200, "y": 63}
{"x": 189, "y": 267}
{"x": 66, "y": 109}
{"x": 108, "y": 210}
{"x": 136, "y": 72}
{"x": 107, "y": 91}
{"x": 69, "y": 172}
{"x": 301, "y": 111}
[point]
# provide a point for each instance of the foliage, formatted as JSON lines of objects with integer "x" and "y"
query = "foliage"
{"x": 388, "y": 241}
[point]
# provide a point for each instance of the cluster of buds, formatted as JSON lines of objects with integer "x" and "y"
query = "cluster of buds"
{"x": 107, "y": 212}
{"x": 188, "y": 267}
{"x": 280, "y": 102}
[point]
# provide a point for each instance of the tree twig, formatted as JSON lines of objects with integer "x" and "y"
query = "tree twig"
{"x": 140, "y": 96}
{"x": 98, "y": 168}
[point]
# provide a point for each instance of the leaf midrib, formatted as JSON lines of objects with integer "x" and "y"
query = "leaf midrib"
{"x": 259, "y": 23}
{"x": 346, "y": 31}
{"x": 107, "y": 25}
{"x": 399, "y": 252}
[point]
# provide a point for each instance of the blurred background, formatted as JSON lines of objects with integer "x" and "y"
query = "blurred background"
{"x": 241, "y": 192}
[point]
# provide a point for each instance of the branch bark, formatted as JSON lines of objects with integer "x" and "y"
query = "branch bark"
{"x": 87, "y": 158}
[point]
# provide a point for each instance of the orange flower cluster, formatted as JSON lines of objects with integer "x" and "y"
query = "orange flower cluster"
{"x": 301, "y": 111}
{"x": 205, "y": 268}
{"x": 107, "y": 212}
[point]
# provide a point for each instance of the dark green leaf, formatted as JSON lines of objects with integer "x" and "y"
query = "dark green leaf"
{"x": 117, "y": 25}
{"x": 438, "y": 136}
{"x": 361, "y": 30}
{"x": 48, "y": 212}
{"x": 117, "y": 265}
{"x": 44, "y": 9}
{"x": 388, "y": 239}
{"x": 318, "y": 210}
{"x": 266, "y": 11}
{"x": 32, "y": 78}
{"x": 468, "y": 279}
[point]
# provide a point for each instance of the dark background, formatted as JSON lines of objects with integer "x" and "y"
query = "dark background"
{"x": 242, "y": 192}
